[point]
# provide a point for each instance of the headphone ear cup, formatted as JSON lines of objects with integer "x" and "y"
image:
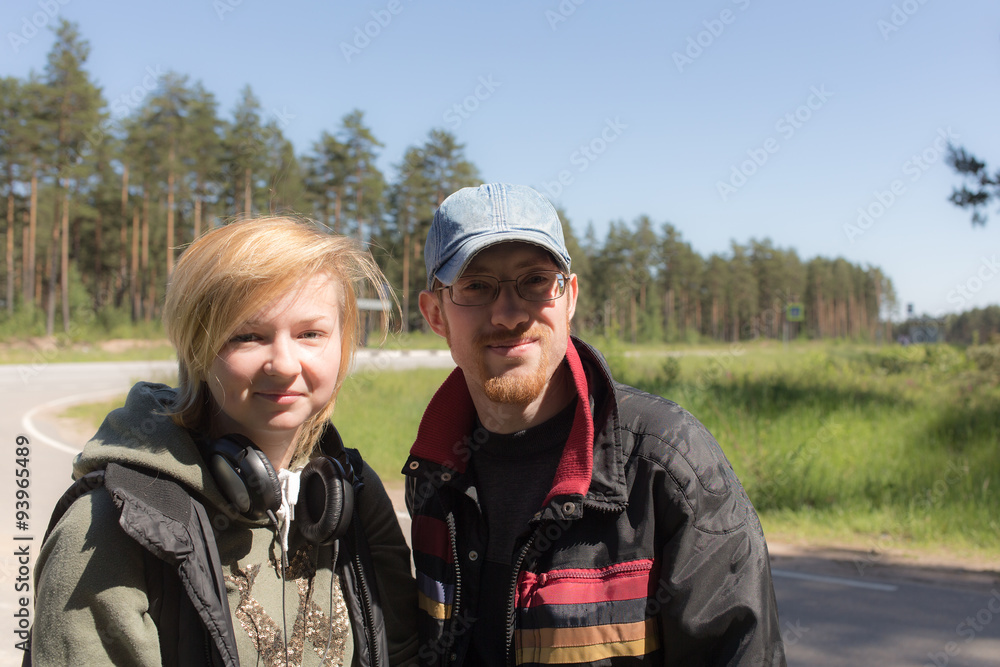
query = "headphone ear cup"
{"x": 244, "y": 475}
{"x": 326, "y": 501}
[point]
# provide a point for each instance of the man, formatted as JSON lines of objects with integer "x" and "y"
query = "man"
{"x": 560, "y": 517}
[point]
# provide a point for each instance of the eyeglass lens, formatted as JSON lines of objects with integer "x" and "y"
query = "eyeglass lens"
{"x": 532, "y": 286}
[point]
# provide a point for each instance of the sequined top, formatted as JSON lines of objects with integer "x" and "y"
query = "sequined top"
{"x": 313, "y": 614}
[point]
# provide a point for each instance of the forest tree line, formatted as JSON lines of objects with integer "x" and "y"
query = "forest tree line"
{"x": 100, "y": 198}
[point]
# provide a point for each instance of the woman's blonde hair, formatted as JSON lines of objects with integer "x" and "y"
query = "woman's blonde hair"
{"x": 228, "y": 274}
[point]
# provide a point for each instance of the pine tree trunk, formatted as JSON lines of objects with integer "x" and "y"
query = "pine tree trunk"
{"x": 406, "y": 280}
{"x": 64, "y": 263}
{"x": 357, "y": 208}
{"x": 818, "y": 308}
{"x": 10, "y": 251}
{"x": 133, "y": 283}
{"x": 337, "y": 209}
{"x": 633, "y": 317}
{"x": 25, "y": 279}
{"x": 51, "y": 262}
{"x": 715, "y": 318}
{"x": 99, "y": 289}
{"x": 29, "y": 287}
{"x": 170, "y": 213}
{"x": 144, "y": 256}
{"x": 247, "y": 194}
{"x": 685, "y": 314}
{"x": 197, "y": 214}
{"x": 150, "y": 307}
{"x": 122, "y": 243}
{"x": 671, "y": 311}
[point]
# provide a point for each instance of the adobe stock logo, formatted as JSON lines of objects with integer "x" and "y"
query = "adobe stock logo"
{"x": 899, "y": 17}
{"x": 565, "y": 9}
{"x": 787, "y": 126}
{"x": 964, "y": 292}
{"x": 30, "y": 27}
{"x": 364, "y": 35}
{"x": 714, "y": 28}
{"x": 915, "y": 167}
{"x": 462, "y": 110}
{"x": 585, "y": 155}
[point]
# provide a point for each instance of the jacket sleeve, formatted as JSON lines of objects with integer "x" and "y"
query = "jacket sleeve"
{"x": 714, "y": 595}
{"x": 91, "y": 605}
{"x": 394, "y": 579}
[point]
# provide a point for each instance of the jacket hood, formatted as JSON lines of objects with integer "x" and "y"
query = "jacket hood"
{"x": 140, "y": 434}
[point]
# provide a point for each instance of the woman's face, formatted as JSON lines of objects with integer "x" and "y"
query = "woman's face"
{"x": 280, "y": 368}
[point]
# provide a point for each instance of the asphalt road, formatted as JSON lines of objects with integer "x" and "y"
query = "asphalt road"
{"x": 832, "y": 613}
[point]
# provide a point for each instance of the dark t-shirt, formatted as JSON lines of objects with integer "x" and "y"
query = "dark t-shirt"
{"x": 513, "y": 474}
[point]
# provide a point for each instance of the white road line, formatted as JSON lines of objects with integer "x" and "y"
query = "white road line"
{"x": 29, "y": 425}
{"x": 840, "y": 581}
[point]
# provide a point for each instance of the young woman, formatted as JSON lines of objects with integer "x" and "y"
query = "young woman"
{"x": 229, "y": 525}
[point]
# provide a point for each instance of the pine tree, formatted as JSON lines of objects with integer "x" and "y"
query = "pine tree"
{"x": 365, "y": 184}
{"x": 326, "y": 177}
{"x": 74, "y": 102}
{"x": 427, "y": 175}
{"x": 204, "y": 142}
{"x": 167, "y": 114}
{"x": 13, "y": 153}
{"x": 245, "y": 146}
{"x": 985, "y": 186}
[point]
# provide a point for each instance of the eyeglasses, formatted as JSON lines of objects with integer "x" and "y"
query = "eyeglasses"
{"x": 483, "y": 290}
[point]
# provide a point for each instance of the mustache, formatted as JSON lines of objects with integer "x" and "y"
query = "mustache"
{"x": 501, "y": 337}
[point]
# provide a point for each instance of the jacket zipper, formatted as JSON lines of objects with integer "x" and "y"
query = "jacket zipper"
{"x": 621, "y": 568}
{"x": 366, "y": 601}
{"x": 456, "y": 603}
{"x": 508, "y": 658}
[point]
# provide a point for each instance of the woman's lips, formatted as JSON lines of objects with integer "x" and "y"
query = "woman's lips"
{"x": 281, "y": 398}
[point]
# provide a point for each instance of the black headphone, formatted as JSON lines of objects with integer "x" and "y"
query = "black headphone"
{"x": 327, "y": 485}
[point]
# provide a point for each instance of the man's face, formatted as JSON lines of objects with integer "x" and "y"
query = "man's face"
{"x": 508, "y": 349}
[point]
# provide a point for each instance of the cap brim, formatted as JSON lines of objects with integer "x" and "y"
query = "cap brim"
{"x": 455, "y": 265}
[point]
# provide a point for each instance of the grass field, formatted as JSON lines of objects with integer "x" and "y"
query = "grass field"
{"x": 870, "y": 447}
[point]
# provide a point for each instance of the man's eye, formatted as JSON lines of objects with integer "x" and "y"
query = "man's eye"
{"x": 475, "y": 286}
{"x": 535, "y": 279}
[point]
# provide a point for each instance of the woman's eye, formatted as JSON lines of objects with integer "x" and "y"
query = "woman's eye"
{"x": 243, "y": 338}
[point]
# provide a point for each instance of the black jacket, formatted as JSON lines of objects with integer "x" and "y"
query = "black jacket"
{"x": 647, "y": 550}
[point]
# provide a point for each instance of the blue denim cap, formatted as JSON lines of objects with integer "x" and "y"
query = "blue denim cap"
{"x": 474, "y": 218}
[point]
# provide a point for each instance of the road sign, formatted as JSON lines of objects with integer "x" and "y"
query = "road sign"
{"x": 795, "y": 312}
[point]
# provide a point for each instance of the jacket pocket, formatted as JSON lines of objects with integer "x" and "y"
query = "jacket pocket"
{"x": 583, "y": 615}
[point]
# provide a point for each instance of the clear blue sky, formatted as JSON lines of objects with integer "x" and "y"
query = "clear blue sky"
{"x": 683, "y": 93}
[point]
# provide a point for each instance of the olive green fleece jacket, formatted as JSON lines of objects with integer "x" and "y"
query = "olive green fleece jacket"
{"x": 91, "y": 604}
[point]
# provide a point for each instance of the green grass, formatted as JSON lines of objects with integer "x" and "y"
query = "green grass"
{"x": 861, "y": 446}
{"x": 378, "y": 413}
{"x": 891, "y": 446}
